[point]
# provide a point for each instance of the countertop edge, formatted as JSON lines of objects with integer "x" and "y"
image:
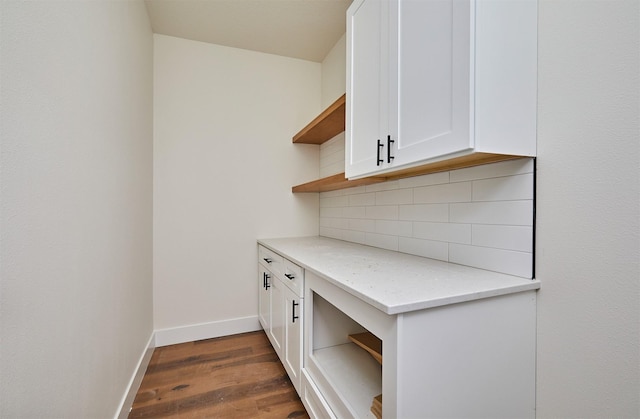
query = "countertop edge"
{"x": 526, "y": 285}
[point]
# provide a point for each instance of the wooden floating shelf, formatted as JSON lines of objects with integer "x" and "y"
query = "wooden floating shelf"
{"x": 370, "y": 343}
{"x": 332, "y": 183}
{"x": 335, "y": 182}
{"x": 331, "y": 122}
{"x": 376, "y": 406}
{"x": 326, "y": 126}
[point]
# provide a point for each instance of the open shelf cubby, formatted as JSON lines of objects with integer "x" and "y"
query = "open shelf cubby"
{"x": 351, "y": 370}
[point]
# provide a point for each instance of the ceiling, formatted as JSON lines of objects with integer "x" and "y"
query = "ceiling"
{"x": 305, "y": 29}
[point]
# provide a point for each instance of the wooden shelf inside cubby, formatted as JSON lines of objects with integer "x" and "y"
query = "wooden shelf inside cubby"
{"x": 370, "y": 343}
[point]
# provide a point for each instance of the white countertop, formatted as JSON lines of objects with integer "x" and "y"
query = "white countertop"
{"x": 394, "y": 282}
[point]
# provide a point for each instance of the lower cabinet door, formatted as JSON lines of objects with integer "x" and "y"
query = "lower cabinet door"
{"x": 292, "y": 358}
{"x": 277, "y": 329}
{"x": 264, "y": 297}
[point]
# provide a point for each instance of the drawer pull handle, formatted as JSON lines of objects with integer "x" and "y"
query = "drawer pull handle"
{"x": 265, "y": 278}
{"x": 267, "y": 260}
{"x": 389, "y": 142}
{"x": 291, "y": 277}
{"x": 293, "y": 311}
{"x": 378, "y": 159}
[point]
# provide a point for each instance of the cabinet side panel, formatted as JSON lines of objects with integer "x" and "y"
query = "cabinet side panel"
{"x": 506, "y": 76}
{"x": 471, "y": 360}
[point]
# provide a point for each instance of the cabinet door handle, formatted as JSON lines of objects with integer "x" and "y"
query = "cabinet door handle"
{"x": 293, "y": 311}
{"x": 289, "y": 276}
{"x": 267, "y": 260}
{"x": 389, "y": 142}
{"x": 266, "y": 281}
{"x": 378, "y": 159}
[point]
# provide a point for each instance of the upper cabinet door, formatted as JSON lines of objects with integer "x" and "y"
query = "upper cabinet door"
{"x": 367, "y": 84}
{"x": 430, "y": 60}
{"x": 429, "y": 80}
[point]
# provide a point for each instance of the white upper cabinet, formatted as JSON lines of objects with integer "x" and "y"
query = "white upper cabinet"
{"x": 429, "y": 80}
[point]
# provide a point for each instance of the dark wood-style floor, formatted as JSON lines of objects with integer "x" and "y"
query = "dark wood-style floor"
{"x": 237, "y": 376}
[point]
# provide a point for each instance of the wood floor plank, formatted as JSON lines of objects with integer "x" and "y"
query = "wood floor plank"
{"x": 206, "y": 380}
{"x": 236, "y": 376}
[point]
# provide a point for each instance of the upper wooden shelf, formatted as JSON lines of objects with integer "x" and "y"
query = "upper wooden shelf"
{"x": 326, "y": 126}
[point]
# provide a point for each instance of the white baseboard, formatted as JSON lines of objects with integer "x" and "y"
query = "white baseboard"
{"x": 136, "y": 380}
{"x": 172, "y": 336}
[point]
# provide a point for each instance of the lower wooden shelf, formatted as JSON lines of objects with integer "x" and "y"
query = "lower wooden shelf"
{"x": 339, "y": 181}
{"x": 370, "y": 343}
{"x": 335, "y": 182}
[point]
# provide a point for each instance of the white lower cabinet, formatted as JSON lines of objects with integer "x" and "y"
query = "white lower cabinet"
{"x": 281, "y": 309}
{"x": 468, "y": 360}
{"x": 461, "y": 344}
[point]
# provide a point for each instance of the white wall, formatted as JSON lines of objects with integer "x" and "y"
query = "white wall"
{"x": 588, "y": 210}
{"x": 334, "y": 84}
{"x": 224, "y": 165}
{"x": 75, "y": 209}
{"x": 334, "y": 79}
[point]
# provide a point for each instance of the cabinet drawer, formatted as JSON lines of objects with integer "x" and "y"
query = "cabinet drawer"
{"x": 293, "y": 277}
{"x": 272, "y": 261}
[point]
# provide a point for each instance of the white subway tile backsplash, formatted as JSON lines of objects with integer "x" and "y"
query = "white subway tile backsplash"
{"x": 332, "y": 156}
{"x": 382, "y": 212}
{"x": 505, "y": 168}
{"x": 356, "y": 190}
{"x": 424, "y": 212}
{"x": 450, "y": 192}
{"x": 446, "y": 232}
{"x": 330, "y": 194}
{"x": 384, "y": 186}
{"x": 394, "y": 197}
{"x": 501, "y": 212}
{"x": 425, "y": 180}
{"x": 354, "y": 236}
{"x": 336, "y": 144}
{"x": 333, "y": 233}
{"x": 395, "y": 228}
{"x": 335, "y": 156}
{"x": 425, "y": 248}
{"x": 382, "y": 241}
{"x": 354, "y": 212}
{"x": 499, "y": 260}
{"x": 362, "y": 199}
{"x": 503, "y": 237}
{"x": 334, "y": 223}
{"x": 328, "y": 212}
{"x": 361, "y": 225}
{"x": 332, "y": 169}
{"x": 480, "y": 216}
{"x": 333, "y": 202}
{"x": 506, "y": 188}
